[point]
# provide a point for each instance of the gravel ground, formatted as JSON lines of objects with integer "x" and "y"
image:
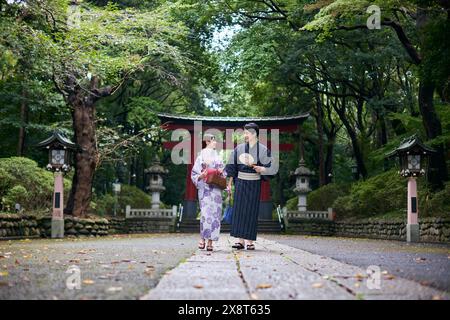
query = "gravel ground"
{"x": 425, "y": 263}
{"x": 114, "y": 267}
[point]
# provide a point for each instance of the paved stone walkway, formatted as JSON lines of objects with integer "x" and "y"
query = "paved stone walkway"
{"x": 112, "y": 267}
{"x": 425, "y": 263}
{"x": 278, "y": 271}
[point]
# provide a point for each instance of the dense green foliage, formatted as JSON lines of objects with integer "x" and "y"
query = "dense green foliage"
{"x": 365, "y": 90}
{"x": 129, "y": 195}
{"x": 23, "y": 181}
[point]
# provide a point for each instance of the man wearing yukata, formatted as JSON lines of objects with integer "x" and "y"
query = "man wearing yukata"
{"x": 248, "y": 164}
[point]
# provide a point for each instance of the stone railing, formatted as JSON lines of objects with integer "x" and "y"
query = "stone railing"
{"x": 326, "y": 215}
{"x": 150, "y": 213}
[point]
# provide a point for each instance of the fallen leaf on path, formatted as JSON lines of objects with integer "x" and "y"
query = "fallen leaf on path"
{"x": 198, "y": 286}
{"x": 389, "y": 277}
{"x": 359, "y": 276}
{"x": 149, "y": 271}
{"x": 72, "y": 261}
{"x": 420, "y": 259}
{"x": 263, "y": 286}
{"x": 114, "y": 289}
{"x": 88, "y": 281}
{"x": 317, "y": 285}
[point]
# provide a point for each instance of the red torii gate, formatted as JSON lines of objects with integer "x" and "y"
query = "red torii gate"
{"x": 282, "y": 123}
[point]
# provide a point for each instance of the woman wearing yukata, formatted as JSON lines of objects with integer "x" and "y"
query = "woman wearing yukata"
{"x": 210, "y": 197}
{"x": 248, "y": 164}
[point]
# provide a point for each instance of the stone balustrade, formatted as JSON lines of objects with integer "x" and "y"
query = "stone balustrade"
{"x": 150, "y": 213}
{"x": 326, "y": 215}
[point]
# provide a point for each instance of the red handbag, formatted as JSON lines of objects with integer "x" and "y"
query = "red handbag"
{"x": 216, "y": 179}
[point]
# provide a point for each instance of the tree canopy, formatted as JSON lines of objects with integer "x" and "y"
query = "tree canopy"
{"x": 102, "y": 70}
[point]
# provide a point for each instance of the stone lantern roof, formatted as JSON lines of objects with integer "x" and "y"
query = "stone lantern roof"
{"x": 156, "y": 167}
{"x": 302, "y": 170}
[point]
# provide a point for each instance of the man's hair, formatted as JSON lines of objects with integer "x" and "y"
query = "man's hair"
{"x": 252, "y": 126}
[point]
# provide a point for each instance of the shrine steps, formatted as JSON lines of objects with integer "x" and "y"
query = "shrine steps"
{"x": 264, "y": 226}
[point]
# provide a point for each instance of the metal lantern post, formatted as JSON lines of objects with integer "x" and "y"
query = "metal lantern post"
{"x": 413, "y": 158}
{"x": 60, "y": 152}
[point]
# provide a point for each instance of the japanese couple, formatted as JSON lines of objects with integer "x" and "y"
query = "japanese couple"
{"x": 247, "y": 165}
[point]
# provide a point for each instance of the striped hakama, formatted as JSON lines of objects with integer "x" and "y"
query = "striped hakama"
{"x": 247, "y": 191}
{"x": 245, "y": 209}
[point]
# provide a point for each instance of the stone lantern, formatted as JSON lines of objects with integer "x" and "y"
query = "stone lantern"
{"x": 302, "y": 175}
{"x": 60, "y": 151}
{"x": 413, "y": 158}
{"x": 156, "y": 186}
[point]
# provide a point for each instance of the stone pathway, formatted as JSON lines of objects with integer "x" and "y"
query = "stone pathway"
{"x": 112, "y": 267}
{"x": 278, "y": 271}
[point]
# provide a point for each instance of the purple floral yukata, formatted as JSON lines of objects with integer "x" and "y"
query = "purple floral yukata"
{"x": 210, "y": 197}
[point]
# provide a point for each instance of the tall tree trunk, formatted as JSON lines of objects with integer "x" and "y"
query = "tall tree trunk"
{"x": 438, "y": 168}
{"x": 319, "y": 124}
{"x": 280, "y": 187}
{"x": 341, "y": 111}
{"x": 23, "y": 123}
{"x": 86, "y": 157}
{"x": 329, "y": 158}
{"x": 381, "y": 132}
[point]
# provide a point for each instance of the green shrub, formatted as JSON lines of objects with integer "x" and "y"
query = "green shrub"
{"x": 5, "y": 181}
{"x": 324, "y": 197}
{"x": 129, "y": 195}
{"x": 292, "y": 203}
{"x": 379, "y": 195}
{"x": 134, "y": 197}
{"x": 37, "y": 182}
{"x": 105, "y": 205}
{"x": 17, "y": 194}
{"x": 437, "y": 204}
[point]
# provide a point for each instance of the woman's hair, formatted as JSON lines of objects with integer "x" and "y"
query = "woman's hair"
{"x": 252, "y": 126}
{"x": 207, "y": 137}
